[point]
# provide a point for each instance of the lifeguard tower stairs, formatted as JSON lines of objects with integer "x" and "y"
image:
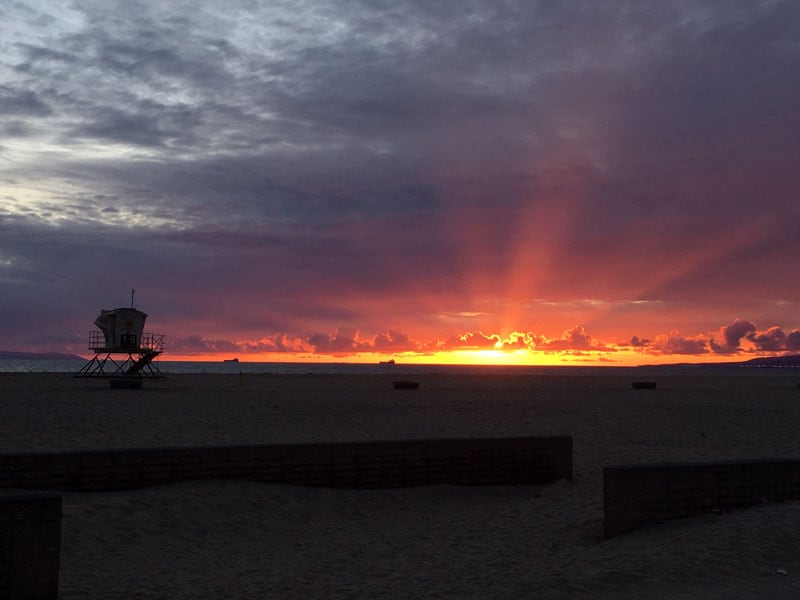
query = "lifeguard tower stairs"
{"x": 122, "y": 348}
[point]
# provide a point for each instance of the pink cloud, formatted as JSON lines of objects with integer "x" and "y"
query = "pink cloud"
{"x": 741, "y": 336}
{"x": 347, "y": 340}
{"x": 200, "y": 345}
{"x": 343, "y": 340}
{"x": 277, "y": 343}
{"x": 393, "y": 340}
{"x": 572, "y": 340}
{"x": 772, "y": 340}
{"x": 675, "y": 343}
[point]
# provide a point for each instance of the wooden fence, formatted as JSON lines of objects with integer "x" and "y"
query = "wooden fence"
{"x": 30, "y": 545}
{"x": 637, "y": 494}
{"x": 30, "y": 523}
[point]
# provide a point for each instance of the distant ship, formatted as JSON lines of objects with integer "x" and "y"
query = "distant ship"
{"x": 231, "y": 360}
{"x": 387, "y": 362}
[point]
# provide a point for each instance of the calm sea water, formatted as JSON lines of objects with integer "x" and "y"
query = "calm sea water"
{"x": 72, "y": 366}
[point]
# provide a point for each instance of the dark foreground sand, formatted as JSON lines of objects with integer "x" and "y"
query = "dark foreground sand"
{"x": 218, "y": 539}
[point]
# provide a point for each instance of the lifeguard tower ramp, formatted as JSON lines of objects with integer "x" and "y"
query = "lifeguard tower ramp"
{"x": 122, "y": 348}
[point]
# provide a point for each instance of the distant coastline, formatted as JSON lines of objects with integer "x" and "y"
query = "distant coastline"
{"x": 13, "y": 355}
{"x": 773, "y": 361}
{"x": 792, "y": 360}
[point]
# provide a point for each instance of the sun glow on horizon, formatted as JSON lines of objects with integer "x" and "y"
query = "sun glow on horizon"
{"x": 620, "y": 357}
{"x": 575, "y": 346}
{"x": 487, "y": 357}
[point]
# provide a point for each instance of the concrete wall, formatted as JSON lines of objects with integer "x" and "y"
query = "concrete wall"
{"x": 339, "y": 464}
{"x": 30, "y": 545}
{"x": 637, "y": 494}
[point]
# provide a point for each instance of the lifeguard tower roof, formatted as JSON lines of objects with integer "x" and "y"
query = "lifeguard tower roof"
{"x": 123, "y": 329}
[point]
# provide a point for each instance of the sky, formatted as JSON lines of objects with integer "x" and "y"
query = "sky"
{"x": 522, "y": 182}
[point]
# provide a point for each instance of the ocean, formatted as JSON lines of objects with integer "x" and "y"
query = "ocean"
{"x": 297, "y": 368}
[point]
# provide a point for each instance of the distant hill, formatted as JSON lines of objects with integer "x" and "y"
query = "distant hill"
{"x": 773, "y": 361}
{"x": 763, "y": 362}
{"x": 12, "y": 355}
{"x": 778, "y": 362}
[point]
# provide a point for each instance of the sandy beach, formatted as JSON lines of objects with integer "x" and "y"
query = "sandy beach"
{"x": 222, "y": 539}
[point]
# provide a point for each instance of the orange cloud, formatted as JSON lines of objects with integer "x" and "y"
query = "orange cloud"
{"x": 675, "y": 343}
{"x": 739, "y": 337}
{"x": 732, "y": 336}
{"x": 572, "y": 340}
{"x": 475, "y": 340}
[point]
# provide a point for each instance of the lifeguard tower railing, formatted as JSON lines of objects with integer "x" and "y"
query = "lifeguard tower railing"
{"x": 134, "y": 359}
{"x": 149, "y": 341}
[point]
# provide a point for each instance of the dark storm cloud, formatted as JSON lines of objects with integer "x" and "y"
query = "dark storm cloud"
{"x": 344, "y": 340}
{"x": 393, "y": 340}
{"x": 21, "y": 102}
{"x": 775, "y": 339}
{"x": 449, "y": 90}
{"x": 793, "y": 341}
{"x": 298, "y": 153}
{"x": 36, "y": 57}
{"x": 739, "y": 336}
{"x": 121, "y": 127}
{"x": 732, "y": 335}
{"x": 197, "y": 344}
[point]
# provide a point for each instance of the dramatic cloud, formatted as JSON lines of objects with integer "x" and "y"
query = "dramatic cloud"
{"x": 732, "y": 335}
{"x": 736, "y": 331}
{"x": 426, "y": 171}
{"x": 347, "y": 340}
{"x": 472, "y": 341}
{"x": 741, "y": 337}
{"x": 196, "y": 344}
{"x": 775, "y": 340}
{"x": 675, "y": 343}
{"x": 277, "y": 344}
{"x": 575, "y": 339}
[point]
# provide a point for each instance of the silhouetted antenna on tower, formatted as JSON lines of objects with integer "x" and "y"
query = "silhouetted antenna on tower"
{"x": 133, "y": 291}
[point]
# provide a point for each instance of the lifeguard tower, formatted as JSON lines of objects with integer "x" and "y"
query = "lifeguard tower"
{"x": 121, "y": 347}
